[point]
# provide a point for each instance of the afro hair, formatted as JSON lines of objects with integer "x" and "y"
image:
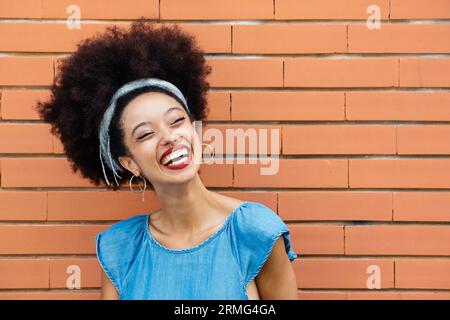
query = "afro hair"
{"x": 89, "y": 77}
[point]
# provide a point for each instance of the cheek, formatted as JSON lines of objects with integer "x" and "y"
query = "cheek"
{"x": 146, "y": 151}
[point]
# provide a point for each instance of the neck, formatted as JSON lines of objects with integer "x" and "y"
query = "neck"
{"x": 185, "y": 207}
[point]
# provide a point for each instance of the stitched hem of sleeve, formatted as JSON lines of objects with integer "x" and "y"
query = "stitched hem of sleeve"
{"x": 283, "y": 233}
{"x": 290, "y": 251}
{"x": 244, "y": 289}
{"x": 233, "y": 258}
{"x": 105, "y": 269}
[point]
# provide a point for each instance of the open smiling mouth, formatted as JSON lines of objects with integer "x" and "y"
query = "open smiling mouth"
{"x": 178, "y": 159}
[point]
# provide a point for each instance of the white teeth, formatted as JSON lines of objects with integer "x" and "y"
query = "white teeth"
{"x": 173, "y": 155}
{"x": 179, "y": 161}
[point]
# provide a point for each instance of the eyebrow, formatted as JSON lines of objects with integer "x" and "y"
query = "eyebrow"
{"x": 148, "y": 122}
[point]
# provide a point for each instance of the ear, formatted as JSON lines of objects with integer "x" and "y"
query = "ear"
{"x": 129, "y": 164}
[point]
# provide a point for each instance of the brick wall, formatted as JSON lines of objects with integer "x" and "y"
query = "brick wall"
{"x": 364, "y": 176}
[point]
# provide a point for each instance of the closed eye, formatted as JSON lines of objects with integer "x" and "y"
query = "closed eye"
{"x": 182, "y": 118}
{"x": 148, "y": 133}
{"x": 143, "y": 136}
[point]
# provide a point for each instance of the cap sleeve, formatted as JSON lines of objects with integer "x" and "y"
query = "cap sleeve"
{"x": 116, "y": 247}
{"x": 256, "y": 228}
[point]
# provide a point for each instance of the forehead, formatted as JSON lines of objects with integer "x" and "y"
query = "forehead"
{"x": 147, "y": 106}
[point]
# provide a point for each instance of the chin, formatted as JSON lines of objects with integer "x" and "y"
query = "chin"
{"x": 181, "y": 175}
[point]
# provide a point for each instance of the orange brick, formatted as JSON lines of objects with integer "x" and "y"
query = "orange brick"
{"x": 40, "y": 172}
{"x": 117, "y": 205}
{"x": 289, "y": 38}
{"x": 24, "y": 273}
{"x": 397, "y": 240}
{"x": 292, "y": 173}
{"x": 335, "y": 205}
{"x": 51, "y": 295}
{"x": 372, "y": 295}
{"x": 321, "y": 295}
{"x": 267, "y": 72}
{"x": 398, "y": 295}
{"x": 217, "y": 175}
{"x": 29, "y": 37}
{"x": 20, "y": 9}
{"x": 421, "y": 206}
{"x": 37, "y": 37}
{"x": 398, "y": 105}
{"x": 329, "y": 273}
{"x": 242, "y": 139}
{"x": 20, "y": 104}
{"x": 216, "y": 9}
{"x": 287, "y": 105}
{"x": 211, "y": 38}
{"x": 102, "y": 9}
{"x": 25, "y": 138}
{"x": 422, "y": 273}
{"x": 26, "y": 71}
{"x": 325, "y": 9}
{"x": 339, "y": 139}
{"x": 355, "y": 72}
{"x": 397, "y": 38}
{"x": 432, "y": 72}
{"x": 89, "y": 271}
{"x": 58, "y": 147}
{"x": 267, "y": 198}
{"x": 317, "y": 239}
{"x": 399, "y": 173}
{"x": 420, "y": 139}
{"x": 49, "y": 239}
{"x": 219, "y": 106}
{"x": 23, "y": 205}
{"x": 417, "y": 9}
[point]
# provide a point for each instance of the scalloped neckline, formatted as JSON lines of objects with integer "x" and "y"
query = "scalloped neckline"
{"x": 197, "y": 246}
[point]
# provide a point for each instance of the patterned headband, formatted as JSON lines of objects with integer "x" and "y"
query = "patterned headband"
{"x": 104, "y": 150}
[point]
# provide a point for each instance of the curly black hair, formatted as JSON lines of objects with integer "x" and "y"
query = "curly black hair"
{"x": 89, "y": 77}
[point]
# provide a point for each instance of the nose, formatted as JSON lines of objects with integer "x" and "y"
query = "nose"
{"x": 169, "y": 136}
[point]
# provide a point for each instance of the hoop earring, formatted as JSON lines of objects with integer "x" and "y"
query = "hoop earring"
{"x": 141, "y": 190}
{"x": 213, "y": 151}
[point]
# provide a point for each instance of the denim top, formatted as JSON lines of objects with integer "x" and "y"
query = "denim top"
{"x": 219, "y": 268}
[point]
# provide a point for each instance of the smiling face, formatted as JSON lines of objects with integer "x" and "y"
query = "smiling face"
{"x": 154, "y": 122}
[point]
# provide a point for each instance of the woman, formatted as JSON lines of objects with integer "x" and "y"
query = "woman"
{"x": 124, "y": 102}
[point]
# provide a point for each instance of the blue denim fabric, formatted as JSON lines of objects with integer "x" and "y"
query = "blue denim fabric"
{"x": 221, "y": 267}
